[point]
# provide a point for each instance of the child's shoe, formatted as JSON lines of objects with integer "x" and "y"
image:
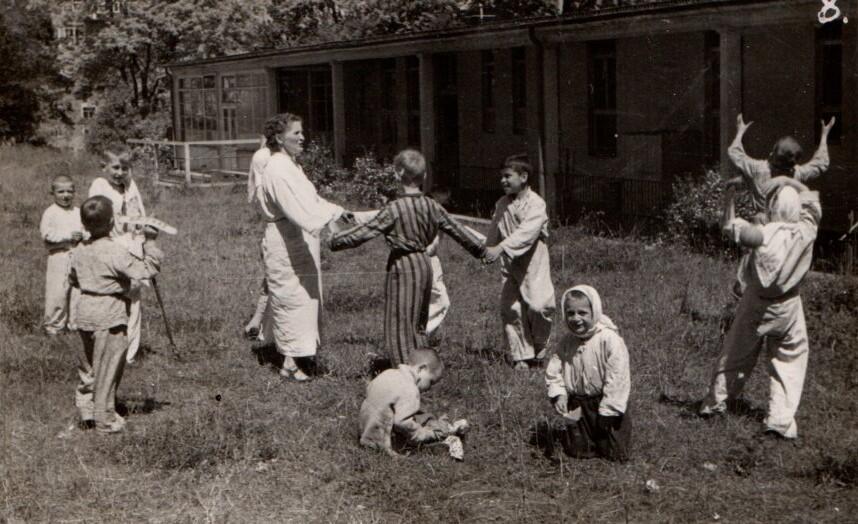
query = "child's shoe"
{"x": 521, "y": 365}
{"x": 113, "y": 426}
{"x": 295, "y": 374}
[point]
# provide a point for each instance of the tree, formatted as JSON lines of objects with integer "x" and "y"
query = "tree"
{"x": 29, "y": 82}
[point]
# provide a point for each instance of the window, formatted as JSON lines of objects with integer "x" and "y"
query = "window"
{"x": 388, "y": 101}
{"x": 198, "y": 108}
{"x": 519, "y": 91}
{"x": 712, "y": 101}
{"x": 829, "y": 78}
{"x": 487, "y": 82}
{"x": 321, "y": 102}
{"x": 243, "y": 105}
{"x": 603, "y": 98}
{"x": 412, "y": 80}
{"x": 87, "y": 112}
{"x": 70, "y": 33}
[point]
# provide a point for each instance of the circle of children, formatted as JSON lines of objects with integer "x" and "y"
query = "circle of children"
{"x": 100, "y": 255}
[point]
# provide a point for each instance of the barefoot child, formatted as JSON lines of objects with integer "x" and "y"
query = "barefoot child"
{"x": 61, "y": 230}
{"x": 106, "y": 273}
{"x": 771, "y": 307}
{"x": 392, "y": 404}
{"x": 588, "y": 378}
{"x": 518, "y": 236}
{"x": 117, "y": 185}
{"x": 409, "y": 223}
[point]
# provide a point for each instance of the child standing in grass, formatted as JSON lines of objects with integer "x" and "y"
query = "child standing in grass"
{"x": 518, "y": 236}
{"x": 771, "y": 307}
{"x": 117, "y": 185}
{"x": 409, "y": 223}
{"x": 61, "y": 230}
{"x": 392, "y": 404}
{"x": 106, "y": 273}
{"x": 588, "y": 378}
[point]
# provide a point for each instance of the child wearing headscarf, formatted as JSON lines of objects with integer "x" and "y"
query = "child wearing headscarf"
{"x": 588, "y": 378}
{"x": 771, "y": 306}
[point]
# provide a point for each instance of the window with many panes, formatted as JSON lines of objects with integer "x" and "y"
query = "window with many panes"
{"x": 829, "y": 78}
{"x": 243, "y": 104}
{"x": 198, "y": 108}
{"x": 602, "y": 107}
{"x": 388, "y": 101}
{"x": 487, "y": 91}
{"x": 519, "y": 91}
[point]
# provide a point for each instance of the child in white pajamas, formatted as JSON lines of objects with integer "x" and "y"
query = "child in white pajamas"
{"x": 771, "y": 307}
{"x": 518, "y": 236}
{"x": 61, "y": 230}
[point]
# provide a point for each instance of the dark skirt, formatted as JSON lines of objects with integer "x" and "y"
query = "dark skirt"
{"x": 586, "y": 439}
{"x": 406, "y": 310}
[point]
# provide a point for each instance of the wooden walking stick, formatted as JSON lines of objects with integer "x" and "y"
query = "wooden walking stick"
{"x": 166, "y": 321}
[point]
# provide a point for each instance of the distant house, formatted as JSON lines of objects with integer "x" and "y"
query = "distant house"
{"x": 612, "y": 103}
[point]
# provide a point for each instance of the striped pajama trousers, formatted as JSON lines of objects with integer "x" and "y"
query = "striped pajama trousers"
{"x": 406, "y": 310}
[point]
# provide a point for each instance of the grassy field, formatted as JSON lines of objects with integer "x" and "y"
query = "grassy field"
{"x": 217, "y": 437}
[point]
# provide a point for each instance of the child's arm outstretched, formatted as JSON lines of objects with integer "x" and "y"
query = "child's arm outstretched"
{"x": 136, "y": 269}
{"x": 460, "y": 233}
{"x": 525, "y": 235}
{"x": 752, "y": 169}
{"x": 818, "y": 164}
{"x": 419, "y": 433}
{"x": 357, "y": 235}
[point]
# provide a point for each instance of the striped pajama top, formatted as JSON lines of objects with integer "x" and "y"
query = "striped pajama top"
{"x": 409, "y": 225}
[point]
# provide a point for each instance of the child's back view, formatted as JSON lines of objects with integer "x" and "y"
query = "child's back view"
{"x": 409, "y": 224}
{"x": 106, "y": 273}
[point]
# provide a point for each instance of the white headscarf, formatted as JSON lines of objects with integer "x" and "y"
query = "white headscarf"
{"x": 600, "y": 320}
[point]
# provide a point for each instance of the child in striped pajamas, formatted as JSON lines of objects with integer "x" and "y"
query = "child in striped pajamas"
{"x": 409, "y": 223}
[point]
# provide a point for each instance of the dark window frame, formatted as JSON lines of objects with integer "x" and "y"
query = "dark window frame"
{"x": 602, "y": 98}
{"x": 488, "y": 82}
{"x": 829, "y": 79}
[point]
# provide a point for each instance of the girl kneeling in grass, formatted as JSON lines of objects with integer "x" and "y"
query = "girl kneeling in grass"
{"x": 588, "y": 378}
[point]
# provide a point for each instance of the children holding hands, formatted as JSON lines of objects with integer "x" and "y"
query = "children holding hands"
{"x": 588, "y": 378}
{"x": 61, "y": 230}
{"x": 518, "y": 236}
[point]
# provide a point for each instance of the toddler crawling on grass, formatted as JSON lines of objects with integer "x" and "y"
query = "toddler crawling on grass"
{"x": 392, "y": 404}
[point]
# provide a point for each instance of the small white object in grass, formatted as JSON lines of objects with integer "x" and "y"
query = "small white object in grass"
{"x": 460, "y": 427}
{"x": 716, "y": 517}
{"x": 708, "y": 466}
{"x": 652, "y": 486}
{"x": 457, "y": 450}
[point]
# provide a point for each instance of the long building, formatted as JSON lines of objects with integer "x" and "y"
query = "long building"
{"x": 614, "y": 104}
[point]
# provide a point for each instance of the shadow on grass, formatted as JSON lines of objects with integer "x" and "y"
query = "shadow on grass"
{"x": 139, "y": 406}
{"x": 691, "y": 408}
{"x": 267, "y": 355}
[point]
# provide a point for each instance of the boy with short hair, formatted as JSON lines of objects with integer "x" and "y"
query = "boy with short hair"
{"x": 117, "y": 185}
{"x": 393, "y": 404}
{"x": 409, "y": 223}
{"x": 518, "y": 236}
{"x": 106, "y": 273}
{"x": 61, "y": 230}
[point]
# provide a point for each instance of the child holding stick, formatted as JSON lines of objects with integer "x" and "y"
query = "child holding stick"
{"x": 105, "y": 273}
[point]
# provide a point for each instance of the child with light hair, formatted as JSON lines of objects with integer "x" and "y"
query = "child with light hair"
{"x": 771, "y": 307}
{"x": 117, "y": 185}
{"x": 105, "y": 273}
{"x": 518, "y": 236}
{"x": 61, "y": 230}
{"x": 589, "y": 380}
{"x": 409, "y": 223}
{"x": 392, "y": 405}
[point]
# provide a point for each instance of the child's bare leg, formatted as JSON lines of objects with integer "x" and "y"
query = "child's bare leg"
{"x": 83, "y": 400}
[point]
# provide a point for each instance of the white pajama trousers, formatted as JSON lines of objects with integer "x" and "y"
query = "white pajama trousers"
{"x": 439, "y": 302}
{"x": 57, "y": 292}
{"x": 782, "y": 323}
{"x": 527, "y": 304}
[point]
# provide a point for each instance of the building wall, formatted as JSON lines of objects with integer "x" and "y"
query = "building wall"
{"x": 481, "y": 154}
{"x": 660, "y": 104}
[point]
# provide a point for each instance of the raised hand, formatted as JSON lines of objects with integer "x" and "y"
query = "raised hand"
{"x": 741, "y": 125}
{"x": 826, "y": 128}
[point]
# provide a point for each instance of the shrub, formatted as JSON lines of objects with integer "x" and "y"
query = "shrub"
{"x": 368, "y": 183}
{"x": 693, "y": 218}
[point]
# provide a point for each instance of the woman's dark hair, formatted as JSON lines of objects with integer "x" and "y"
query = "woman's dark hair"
{"x": 276, "y": 125}
{"x": 785, "y": 154}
